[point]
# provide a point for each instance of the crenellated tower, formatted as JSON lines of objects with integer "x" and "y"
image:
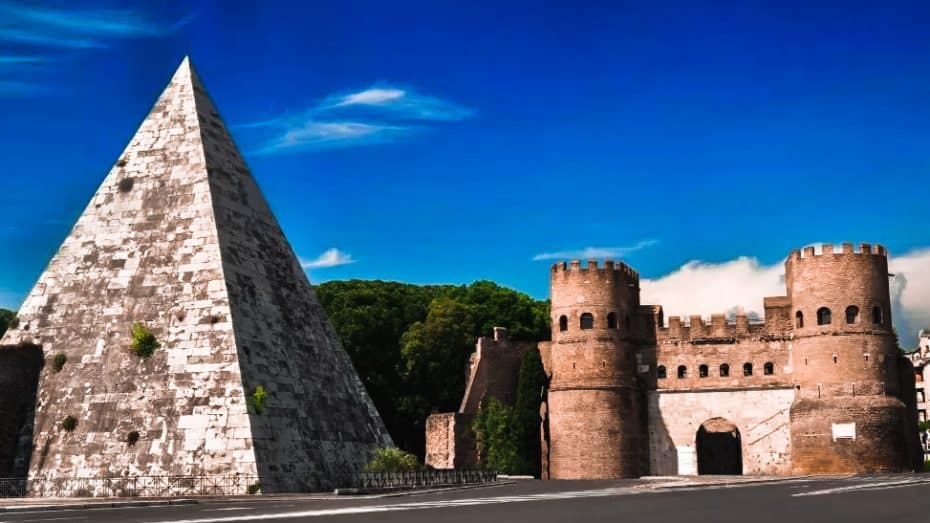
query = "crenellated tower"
{"x": 847, "y": 416}
{"x": 593, "y": 398}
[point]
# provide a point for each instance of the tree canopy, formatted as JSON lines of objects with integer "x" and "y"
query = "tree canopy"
{"x": 6, "y": 318}
{"x": 410, "y": 343}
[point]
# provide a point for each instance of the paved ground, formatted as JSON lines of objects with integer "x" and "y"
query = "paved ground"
{"x": 891, "y": 499}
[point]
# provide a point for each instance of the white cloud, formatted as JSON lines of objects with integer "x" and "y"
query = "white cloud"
{"x": 588, "y": 253}
{"x": 709, "y": 288}
{"x": 374, "y": 115}
{"x": 373, "y": 96}
{"x": 330, "y": 134}
{"x": 331, "y": 258}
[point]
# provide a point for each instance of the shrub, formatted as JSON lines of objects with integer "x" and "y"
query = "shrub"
{"x": 927, "y": 466}
{"x": 495, "y": 435}
{"x": 144, "y": 343}
{"x": 391, "y": 459}
{"x": 58, "y": 362}
{"x": 255, "y": 488}
{"x": 257, "y": 399}
{"x": 923, "y": 425}
{"x": 132, "y": 438}
{"x": 69, "y": 423}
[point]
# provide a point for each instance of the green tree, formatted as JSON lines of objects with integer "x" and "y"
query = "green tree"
{"x": 7, "y": 317}
{"x": 494, "y": 435}
{"x": 530, "y": 388}
{"x": 434, "y": 352}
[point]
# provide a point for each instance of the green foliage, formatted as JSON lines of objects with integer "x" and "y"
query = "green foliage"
{"x": 69, "y": 423}
{"x": 530, "y": 390}
{"x": 392, "y": 459}
{"x": 392, "y": 332}
{"x": 257, "y": 400}
{"x": 58, "y": 361}
{"x": 255, "y": 488}
{"x": 923, "y": 425}
{"x": 927, "y": 466}
{"x": 144, "y": 343}
{"x": 132, "y": 438}
{"x": 495, "y": 438}
{"x": 8, "y": 320}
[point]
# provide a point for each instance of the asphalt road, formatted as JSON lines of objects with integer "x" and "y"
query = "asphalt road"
{"x": 881, "y": 499}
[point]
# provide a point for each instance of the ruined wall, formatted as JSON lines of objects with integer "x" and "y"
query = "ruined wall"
{"x": 450, "y": 441}
{"x": 761, "y": 415}
{"x": 493, "y": 371}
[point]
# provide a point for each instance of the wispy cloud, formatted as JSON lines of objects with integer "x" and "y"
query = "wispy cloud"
{"x": 708, "y": 288}
{"x": 76, "y": 28}
{"x": 40, "y": 29}
{"x": 331, "y": 258}
{"x": 595, "y": 252}
{"x": 369, "y": 116}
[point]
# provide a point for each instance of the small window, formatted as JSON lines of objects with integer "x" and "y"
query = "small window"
{"x": 702, "y": 371}
{"x": 587, "y": 321}
{"x": 877, "y": 318}
{"x": 563, "y": 323}
{"x": 852, "y": 314}
{"x": 682, "y": 372}
{"x": 768, "y": 369}
{"x": 660, "y": 372}
{"x": 612, "y": 320}
{"x": 747, "y": 369}
{"x": 835, "y": 359}
{"x": 724, "y": 370}
{"x": 823, "y": 316}
{"x": 799, "y": 320}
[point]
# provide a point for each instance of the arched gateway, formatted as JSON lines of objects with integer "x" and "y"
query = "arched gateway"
{"x": 719, "y": 448}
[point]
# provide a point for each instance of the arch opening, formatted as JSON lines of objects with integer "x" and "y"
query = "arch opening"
{"x": 563, "y": 323}
{"x": 719, "y": 448}
{"x": 587, "y": 321}
{"x": 612, "y": 320}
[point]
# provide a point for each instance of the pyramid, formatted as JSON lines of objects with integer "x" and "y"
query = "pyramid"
{"x": 179, "y": 239}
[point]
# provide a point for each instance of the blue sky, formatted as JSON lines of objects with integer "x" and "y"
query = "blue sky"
{"x": 440, "y": 142}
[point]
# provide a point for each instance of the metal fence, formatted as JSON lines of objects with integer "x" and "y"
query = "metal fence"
{"x": 136, "y": 486}
{"x": 421, "y": 478}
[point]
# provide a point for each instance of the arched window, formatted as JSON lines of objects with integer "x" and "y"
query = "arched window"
{"x": 660, "y": 372}
{"x": 852, "y": 314}
{"x": 682, "y": 372}
{"x": 702, "y": 371}
{"x": 799, "y": 320}
{"x": 563, "y": 323}
{"x": 823, "y": 316}
{"x": 747, "y": 369}
{"x": 769, "y": 368}
{"x": 877, "y": 315}
{"x": 724, "y": 370}
{"x": 612, "y": 320}
{"x": 587, "y": 320}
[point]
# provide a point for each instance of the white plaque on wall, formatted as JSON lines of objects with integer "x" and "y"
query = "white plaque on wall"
{"x": 687, "y": 464}
{"x": 844, "y": 431}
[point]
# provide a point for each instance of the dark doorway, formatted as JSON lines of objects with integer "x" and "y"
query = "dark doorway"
{"x": 719, "y": 448}
{"x": 19, "y": 379}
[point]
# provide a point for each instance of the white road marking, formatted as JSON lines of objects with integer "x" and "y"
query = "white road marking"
{"x": 53, "y": 519}
{"x": 882, "y": 485}
{"x": 230, "y": 509}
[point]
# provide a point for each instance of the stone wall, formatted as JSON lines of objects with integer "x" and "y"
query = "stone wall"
{"x": 761, "y": 415}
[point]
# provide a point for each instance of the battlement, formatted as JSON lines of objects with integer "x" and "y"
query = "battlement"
{"x": 811, "y": 251}
{"x": 575, "y": 266}
{"x": 719, "y": 330}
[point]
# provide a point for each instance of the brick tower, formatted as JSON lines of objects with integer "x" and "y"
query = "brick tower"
{"x": 593, "y": 397}
{"x": 846, "y": 416}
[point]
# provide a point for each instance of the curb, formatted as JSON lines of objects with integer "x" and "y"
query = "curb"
{"x": 401, "y": 491}
{"x": 760, "y": 481}
{"x": 101, "y": 504}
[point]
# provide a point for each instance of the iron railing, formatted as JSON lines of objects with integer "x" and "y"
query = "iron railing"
{"x": 134, "y": 486}
{"x": 421, "y": 478}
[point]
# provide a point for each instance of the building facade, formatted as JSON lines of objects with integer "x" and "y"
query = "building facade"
{"x": 815, "y": 386}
